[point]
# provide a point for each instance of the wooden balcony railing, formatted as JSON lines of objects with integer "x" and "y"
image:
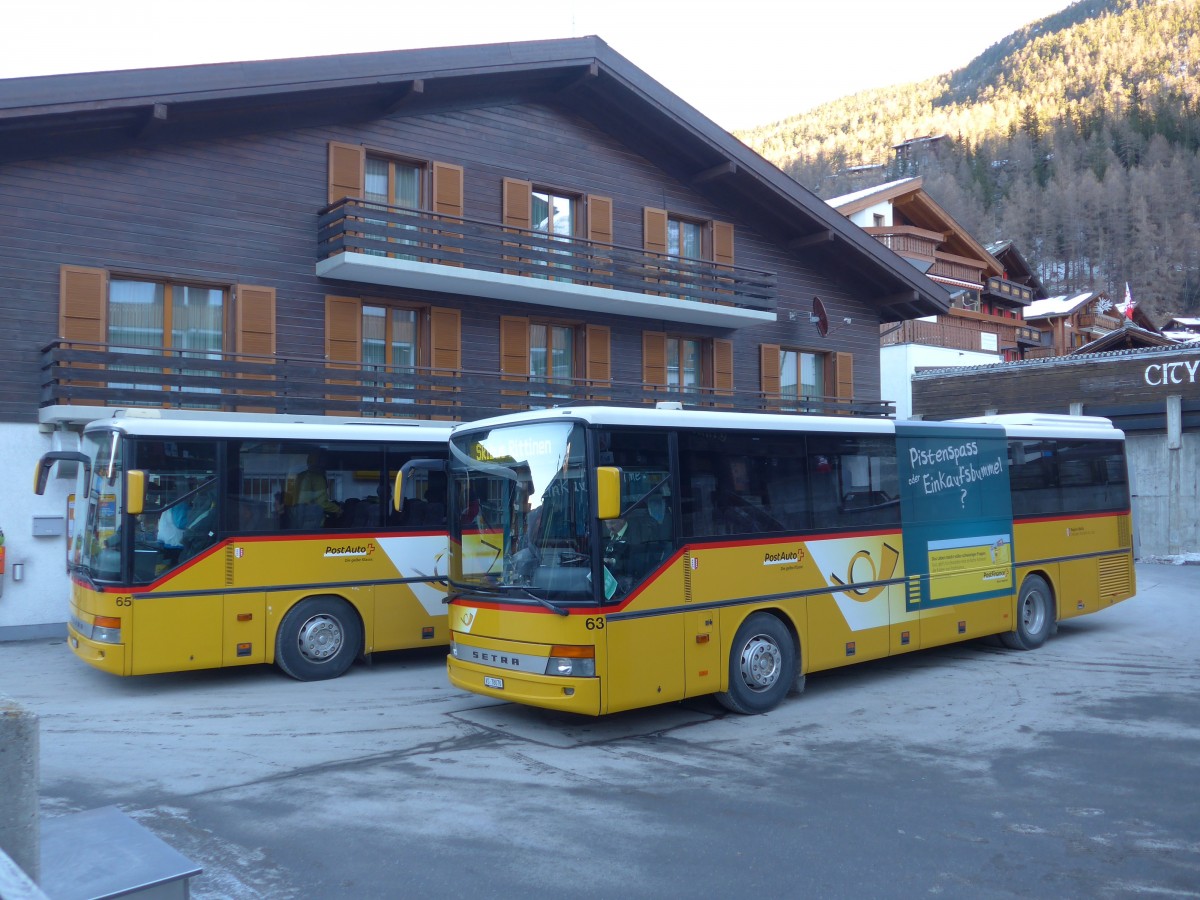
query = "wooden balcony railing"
{"x": 81, "y": 374}
{"x": 417, "y": 236}
{"x": 906, "y": 240}
{"x": 1002, "y": 287}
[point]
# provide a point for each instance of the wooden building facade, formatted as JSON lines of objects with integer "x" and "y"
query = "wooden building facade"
{"x": 435, "y": 233}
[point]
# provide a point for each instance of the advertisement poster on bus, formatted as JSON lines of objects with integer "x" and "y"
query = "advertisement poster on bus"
{"x": 957, "y": 511}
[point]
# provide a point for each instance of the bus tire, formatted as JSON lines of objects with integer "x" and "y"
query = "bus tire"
{"x": 318, "y": 639}
{"x": 762, "y": 665}
{"x": 1035, "y": 616}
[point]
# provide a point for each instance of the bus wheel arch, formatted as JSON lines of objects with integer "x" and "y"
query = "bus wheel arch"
{"x": 1036, "y": 614}
{"x": 318, "y": 638}
{"x": 763, "y": 664}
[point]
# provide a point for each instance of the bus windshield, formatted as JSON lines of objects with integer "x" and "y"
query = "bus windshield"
{"x": 520, "y": 511}
{"x": 96, "y": 544}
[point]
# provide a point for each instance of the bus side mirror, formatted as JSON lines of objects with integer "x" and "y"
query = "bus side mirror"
{"x": 404, "y": 476}
{"x": 608, "y": 492}
{"x": 135, "y": 491}
{"x": 46, "y": 463}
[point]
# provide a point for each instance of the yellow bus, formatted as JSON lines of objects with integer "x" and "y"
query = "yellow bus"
{"x": 606, "y": 559}
{"x": 202, "y": 543}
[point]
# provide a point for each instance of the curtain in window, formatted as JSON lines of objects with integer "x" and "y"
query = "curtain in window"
{"x": 135, "y": 321}
{"x": 198, "y": 327}
{"x": 683, "y": 364}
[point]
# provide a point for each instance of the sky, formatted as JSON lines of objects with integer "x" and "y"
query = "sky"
{"x": 751, "y": 63}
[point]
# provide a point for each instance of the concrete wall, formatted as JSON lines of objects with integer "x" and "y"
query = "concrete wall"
{"x": 36, "y": 606}
{"x": 1165, "y": 481}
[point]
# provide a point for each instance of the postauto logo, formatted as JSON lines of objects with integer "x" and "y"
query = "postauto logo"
{"x": 346, "y": 551}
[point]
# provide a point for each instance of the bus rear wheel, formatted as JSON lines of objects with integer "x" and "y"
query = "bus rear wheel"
{"x": 762, "y": 666}
{"x": 318, "y": 639}
{"x": 1035, "y": 616}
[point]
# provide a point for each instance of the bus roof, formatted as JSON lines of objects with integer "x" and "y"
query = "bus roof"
{"x": 647, "y": 417}
{"x": 391, "y": 431}
{"x": 1016, "y": 425}
{"x": 1050, "y": 425}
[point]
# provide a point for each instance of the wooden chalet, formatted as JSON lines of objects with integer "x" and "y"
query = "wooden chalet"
{"x": 438, "y": 233}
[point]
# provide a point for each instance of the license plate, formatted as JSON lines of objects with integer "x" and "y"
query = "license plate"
{"x": 497, "y": 683}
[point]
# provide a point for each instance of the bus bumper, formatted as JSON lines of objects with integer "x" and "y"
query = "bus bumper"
{"x": 577, "y": 695}
{"x": 106, "y": 657}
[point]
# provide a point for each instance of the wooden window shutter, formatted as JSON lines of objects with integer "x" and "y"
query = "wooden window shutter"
{"x": 448, "y": 189}
{"x": 722, "y": 351}
{"x": 770, "y": 378}
{"x": 599, "y": 219}
{"x": 343, "y": 329}
{"x": 255, "y": 325}
{"x": 514, "y": 345}
{"x": 599, "y": 353}
{"x": 517, "y": 203}
{"x": 654, "y": 359}
{"x": 347, "y": 165}
{"x": 654, "y": 230}
{"x": 841, "y": 384}
{"x": 83, "y": 304}
{"x": 722, "y": 243}
{"x": 445, "y": 340}
{"x": 255, "y": 320}
{"x": 343, "y": 346}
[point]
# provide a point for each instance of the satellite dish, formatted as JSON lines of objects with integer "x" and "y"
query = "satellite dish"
{"x": 819, "y": 317}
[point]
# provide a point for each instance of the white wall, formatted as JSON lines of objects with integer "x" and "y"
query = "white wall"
{"x": 898, "y": 362}
{"x": 865, "y": 218}
{"x": 37, "y": 605}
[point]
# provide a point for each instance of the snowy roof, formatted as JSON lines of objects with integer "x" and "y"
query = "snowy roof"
{"x": 836, "y": 202}
{"x": 1183, "y": 337}
{"x": 1062, "y": 305}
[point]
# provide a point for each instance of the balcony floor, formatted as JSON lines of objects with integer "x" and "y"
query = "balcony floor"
{"x": 563, "y": 295}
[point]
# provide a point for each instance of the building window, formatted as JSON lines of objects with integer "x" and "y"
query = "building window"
{"x": 801, "y": 375}
{"x": 879, "y": 220}
{"x": 393, "y": 182}
{"x": 551, "y": 352}
{"x": 555, "y": 214}
{"x": 390, "y": 344}
{"x": 684, "y": 367}
{"x": 685, "y": 238}
{"x": 151, "y": 316}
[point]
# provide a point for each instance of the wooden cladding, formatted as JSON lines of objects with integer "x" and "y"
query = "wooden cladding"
{"x": 83, "y": 304}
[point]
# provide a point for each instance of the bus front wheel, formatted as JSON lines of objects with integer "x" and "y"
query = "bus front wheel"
{"x": 762, "y": 665}
{"x": 318, "y": 638}
{"x": 1035, "y": 616}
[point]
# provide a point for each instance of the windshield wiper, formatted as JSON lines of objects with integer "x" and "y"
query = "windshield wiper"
{"x": 542, "y": 600}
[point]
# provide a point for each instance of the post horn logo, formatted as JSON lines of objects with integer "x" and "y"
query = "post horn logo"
{"x": 884, "y": 571}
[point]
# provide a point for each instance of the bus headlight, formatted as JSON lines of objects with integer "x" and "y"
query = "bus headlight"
{"x": 572, "y": 662}
{"x": 107, "y": 630}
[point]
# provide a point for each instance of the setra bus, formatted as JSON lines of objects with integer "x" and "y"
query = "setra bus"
{"x": 605, "y": 559}
{"x": 202, "y": 543}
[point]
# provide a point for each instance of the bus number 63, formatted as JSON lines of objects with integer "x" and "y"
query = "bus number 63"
{"x": 594, "y": 623}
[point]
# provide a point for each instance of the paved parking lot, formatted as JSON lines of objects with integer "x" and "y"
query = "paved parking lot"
{"x": 1072, "y": 771}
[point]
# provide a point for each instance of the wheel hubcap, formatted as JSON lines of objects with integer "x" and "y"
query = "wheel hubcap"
{"x": 762, "y": 661}
{"x": 1033, "y": 613}
{"x": 320, "y": 638}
